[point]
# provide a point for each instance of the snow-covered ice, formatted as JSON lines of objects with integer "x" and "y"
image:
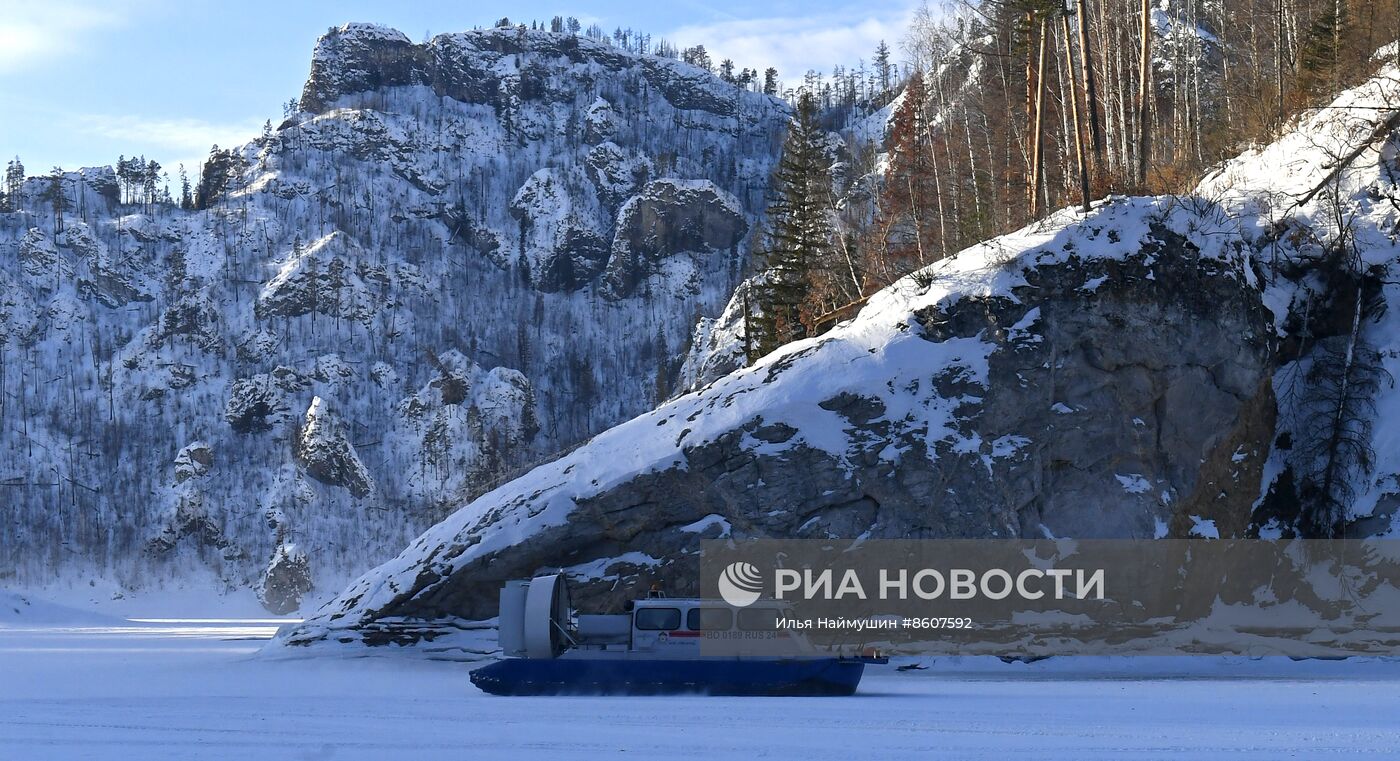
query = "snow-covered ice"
{"x": 196, "y": 689}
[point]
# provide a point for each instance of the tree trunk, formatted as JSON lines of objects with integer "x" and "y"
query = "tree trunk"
{"x": 944, "y": 109}
{"x": 1144, "y": 91}
{"x": 1028, "y": 152}
{"x": 1091, "y": 90}
{"x": 1122, "y": 148}
{"x": 1038, "y": 124}
{"x": 1079, "y": 157}
{"x": 1337, "y": 10}
{"x": 1279, "y": 43}
{"x": 924, "y": 135}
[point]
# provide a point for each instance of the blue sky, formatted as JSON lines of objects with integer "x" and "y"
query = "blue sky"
{"x": 82, "y": 81}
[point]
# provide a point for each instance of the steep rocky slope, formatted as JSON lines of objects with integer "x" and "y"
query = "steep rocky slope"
{"x": 1114, "y": 374}
{"x": 457, "y": 258}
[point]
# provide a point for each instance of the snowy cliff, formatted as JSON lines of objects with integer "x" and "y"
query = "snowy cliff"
{"x": 1121, "y": 373}
{"x": 456, "y": 259}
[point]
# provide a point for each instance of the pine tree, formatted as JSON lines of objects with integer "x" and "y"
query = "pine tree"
{"x": 770, "y": 82}
{"x": 123, "y": 169}
{"x": 58, "y": 201}
{"x": 150, "y": 180}
{"x": 884, "y": 68}
{"x": 1321, "y": 52}
{"x": 697, "y": 56}
{"x": 14, "y": 184}
{"x": 797, "y": 246}
{"x": 186, "y": 200}
{"x": 214, "y": 177}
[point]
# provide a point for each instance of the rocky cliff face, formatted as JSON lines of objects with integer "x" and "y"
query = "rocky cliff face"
{"x": 1124, "y": 373}
{"x": 1058, "y": 382}
{"x": 429, "y": 277}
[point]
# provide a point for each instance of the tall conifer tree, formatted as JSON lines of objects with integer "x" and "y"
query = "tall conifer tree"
{"x": 798, "y": 242}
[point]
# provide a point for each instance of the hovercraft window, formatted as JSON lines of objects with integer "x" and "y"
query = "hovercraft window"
{"x": 759, "y": 619}
{"x": 709, "y": 619}
{"x": 658, "y": 619}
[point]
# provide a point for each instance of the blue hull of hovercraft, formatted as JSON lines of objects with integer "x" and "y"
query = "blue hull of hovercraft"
{"x": 629, "y": 676}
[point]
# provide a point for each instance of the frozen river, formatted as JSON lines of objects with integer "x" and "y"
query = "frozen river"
{"x": 194, "y": 689}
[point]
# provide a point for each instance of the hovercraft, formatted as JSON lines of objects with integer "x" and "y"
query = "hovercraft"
{"x": 655, "y": 649}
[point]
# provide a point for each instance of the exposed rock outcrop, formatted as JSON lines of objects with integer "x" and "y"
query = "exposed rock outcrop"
{"x": 285, "y": 581}
{"x": 559, "y": 243}
{"x": 355, "y": 58}
{"x": 325, "y": 452}
{"x": 334, "y": 278}
{"x": 362, "y": 57}
{"x": 616, "y": 174}
{"x": 189, "y": 523}
{"x": 372, "y": 228}
{"x": 599, "y": 122}
{"x": 1062, "y": 381}
{"x": 464, "y": 428}
{"x": 667, "y": 218}
{"x": 1123, "y": 374}
{"x": 263, "y": 401}
{"x": 717, "y": 346}
{"x": 19, "y": 319}
{"x": 193, "y": 461}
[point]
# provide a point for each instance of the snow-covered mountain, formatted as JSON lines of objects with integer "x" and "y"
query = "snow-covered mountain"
{"x": 1142, "y": 370}
{"x": 457, "y": 258}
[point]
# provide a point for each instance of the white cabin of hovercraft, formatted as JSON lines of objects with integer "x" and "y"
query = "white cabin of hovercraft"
{"x": 537, "y": 621}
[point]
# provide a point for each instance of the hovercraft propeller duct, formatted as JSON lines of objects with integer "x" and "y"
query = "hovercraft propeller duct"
{"x": 534, "y": 621}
